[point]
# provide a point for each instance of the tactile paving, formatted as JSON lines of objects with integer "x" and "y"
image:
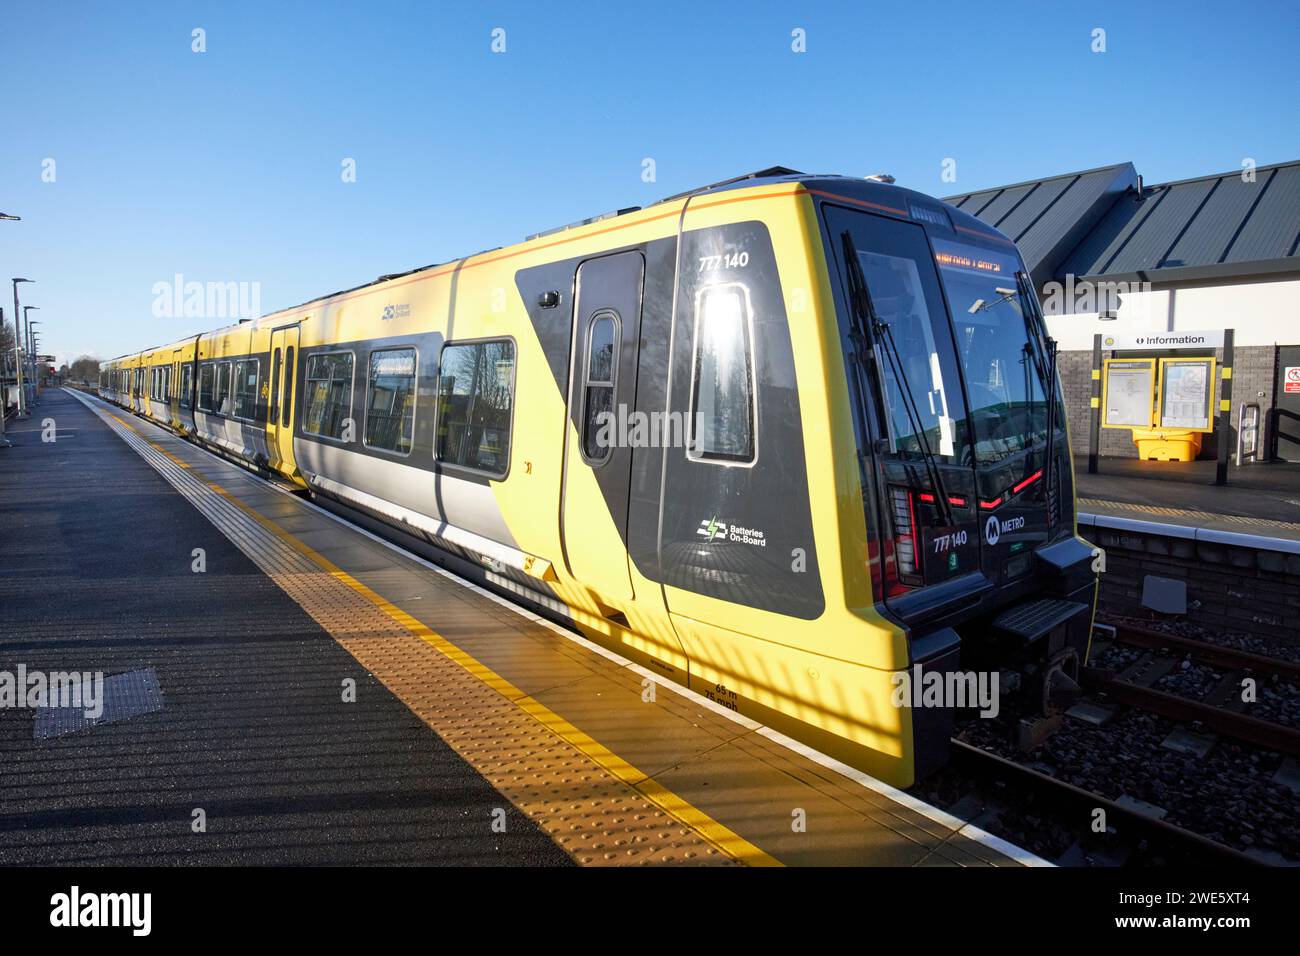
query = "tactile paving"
{"x": 594, "y": 815}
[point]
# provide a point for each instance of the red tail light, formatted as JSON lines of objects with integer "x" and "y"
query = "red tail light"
{"x": 907, "y": 569}
{"x": 1027, "y": 482}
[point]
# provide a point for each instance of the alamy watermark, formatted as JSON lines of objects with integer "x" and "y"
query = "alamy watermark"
{"x": 206, "y": 300}
{"x": 73, "y": 909}
{"x": 37, "y": 690}
{"x": 945, "y": 689}
{"x": 630, "y": 428}
{"x": 1075, "y": 296}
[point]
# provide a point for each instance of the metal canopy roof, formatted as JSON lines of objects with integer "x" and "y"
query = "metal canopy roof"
{"x": 1095, "y": 223}
{"x": 1048, "y": 217}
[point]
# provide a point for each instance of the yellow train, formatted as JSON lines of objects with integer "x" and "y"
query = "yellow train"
{"x": 794, "y": 441}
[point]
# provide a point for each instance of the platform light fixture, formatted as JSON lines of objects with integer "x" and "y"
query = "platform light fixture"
{"x": 4, "y": 442}
{"x": 18, "y": 342}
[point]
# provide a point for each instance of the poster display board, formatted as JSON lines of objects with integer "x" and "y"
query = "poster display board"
{"x": 1128, "y": 386}
{"x": 1187, "y": 393}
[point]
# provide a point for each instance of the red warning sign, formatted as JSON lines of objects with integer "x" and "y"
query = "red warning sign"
{"x": 1291, "y": 380}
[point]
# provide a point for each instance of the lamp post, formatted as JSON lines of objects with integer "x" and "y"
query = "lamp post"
{"x": 4, "y": 442}
{"x": 18, "y": 339}
{"x": 31, "y": 348}
{"x": 36, "y": 365}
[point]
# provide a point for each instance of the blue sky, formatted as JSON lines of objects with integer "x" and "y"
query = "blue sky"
{"x": 225, "y": 166}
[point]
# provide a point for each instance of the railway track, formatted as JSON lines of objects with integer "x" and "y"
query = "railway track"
{"x": 1146, "y": 837}
{"x": 1021, "y": 787}
{"x": 1215, "y": 654}
{"x": 1221, "y": 719}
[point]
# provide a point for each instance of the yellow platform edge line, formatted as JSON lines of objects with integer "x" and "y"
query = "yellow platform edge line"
{"x": 717, "y": 834}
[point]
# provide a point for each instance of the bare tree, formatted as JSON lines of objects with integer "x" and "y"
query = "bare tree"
{"x": 85, "y": 369}
{"x": 6, "y": 346}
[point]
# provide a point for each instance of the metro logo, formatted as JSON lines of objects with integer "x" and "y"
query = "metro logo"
{"x": 995, "y": 528}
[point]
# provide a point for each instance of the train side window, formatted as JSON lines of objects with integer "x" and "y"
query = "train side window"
{"x": 207, "y": 386}
{"x": 187, "y": 379}
{"x": 223, "y": 388}
{"x": 245, "y": 389}
{"x": 274, "y": 410}
{"x": 722, "y": 409}
{"x": 598, "y": 395}
{"x": 287, "y": 410}
{"x": 390, "y": 400}
{"x": 476, "y": 383}
{"x": 328, "y": 395}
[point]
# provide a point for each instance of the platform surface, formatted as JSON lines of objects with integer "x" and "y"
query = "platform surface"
{"x": 1260, "y": 499}
{"x": 479, "y": 733}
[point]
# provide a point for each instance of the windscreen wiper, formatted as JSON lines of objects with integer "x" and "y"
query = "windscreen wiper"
{"x": 1049, "y": 346}
{"x": 876, "y": 331}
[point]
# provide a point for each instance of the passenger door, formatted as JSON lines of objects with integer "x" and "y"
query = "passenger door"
{"x": 280, "y": 407}
{"x": 598, "y": 461}
{"x": 174, "y": 397}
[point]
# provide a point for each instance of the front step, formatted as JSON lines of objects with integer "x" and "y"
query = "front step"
{"x": 1029, "y": 621}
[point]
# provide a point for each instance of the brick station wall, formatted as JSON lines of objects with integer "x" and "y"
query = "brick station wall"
{"x": 1228, "y": 588}
{"x": 1253, "y": 375}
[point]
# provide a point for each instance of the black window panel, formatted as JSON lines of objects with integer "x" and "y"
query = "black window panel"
{"x": 245, "y": 389}
{"x": 598, "y": 394}
{"x": 275, "y": 387}
{"x": 476, "y": 383}
{"x": 600, "y": 367}
{"x": 390, "y": 400}
{"x": 223, "y": 388}
{"x": 288, "y": 387}
{"x": 328, "y": 394}
{"x": 600, "y": 401}
{"x": 207, "y": 386}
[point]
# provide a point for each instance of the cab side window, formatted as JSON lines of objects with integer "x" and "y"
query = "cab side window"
{"x": 722, "y": 408}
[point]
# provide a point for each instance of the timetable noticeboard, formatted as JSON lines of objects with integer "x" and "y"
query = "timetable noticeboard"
{"x": 1126, "y": 393}
{"x": 1187, "y": 393}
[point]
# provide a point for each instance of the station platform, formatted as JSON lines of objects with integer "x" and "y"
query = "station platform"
{"x": 479, "y": 733}
{"x": 1260, "y": 501}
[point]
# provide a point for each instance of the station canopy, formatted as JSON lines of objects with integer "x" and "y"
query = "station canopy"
{"x": 1102, "y": 223}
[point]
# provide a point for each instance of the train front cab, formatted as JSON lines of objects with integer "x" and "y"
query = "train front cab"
{"x": 970, "y": 531}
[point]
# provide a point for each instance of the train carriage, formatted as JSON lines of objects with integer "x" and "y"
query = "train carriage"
{"x": 784, "y": 439}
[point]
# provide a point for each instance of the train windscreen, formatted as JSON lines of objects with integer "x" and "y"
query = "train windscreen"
{"x": 1001, "y": 358}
